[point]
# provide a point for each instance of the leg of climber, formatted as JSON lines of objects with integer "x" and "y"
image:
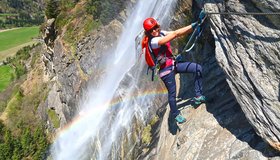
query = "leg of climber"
{"x": 190, "y": 67}
{"x": 170, "y": 83}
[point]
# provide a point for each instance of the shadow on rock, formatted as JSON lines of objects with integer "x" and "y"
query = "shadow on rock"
{"x": 222, "y": 104}
{"x": 230, "y": 116}
{"x": 173, "y": 127}
{"x": 279, "y": 92}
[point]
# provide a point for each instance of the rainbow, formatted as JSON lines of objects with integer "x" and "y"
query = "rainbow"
{"x": 115, "y": 102}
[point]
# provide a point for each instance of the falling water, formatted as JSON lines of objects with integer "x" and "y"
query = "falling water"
{"x": 83, "y": 136}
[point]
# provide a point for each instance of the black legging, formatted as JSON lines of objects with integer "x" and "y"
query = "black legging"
{"x": 170, "y": 83}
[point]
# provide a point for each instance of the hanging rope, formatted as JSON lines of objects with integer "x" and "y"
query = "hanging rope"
{"x": 195, "y": 36}
{"x": 244, "y": 13}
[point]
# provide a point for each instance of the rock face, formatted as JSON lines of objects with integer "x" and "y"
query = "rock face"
{"x": 240, "y": 62}
{"x": 69, "y": 71}
{"x": 247, "y": 50}
{"x": 68, "y": 68}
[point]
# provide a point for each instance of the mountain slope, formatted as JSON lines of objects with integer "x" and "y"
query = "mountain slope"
{"x": 19, "y": 13}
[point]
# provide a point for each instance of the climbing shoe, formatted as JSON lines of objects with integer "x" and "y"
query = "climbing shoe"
{"x": 199, "y": 99}
{"x": 180, "y": 119}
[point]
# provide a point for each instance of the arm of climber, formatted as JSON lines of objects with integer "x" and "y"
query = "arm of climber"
{"x": 170, "y": 35}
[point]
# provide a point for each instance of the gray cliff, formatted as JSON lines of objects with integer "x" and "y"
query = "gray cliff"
{"x": 240, "y": 59}
{"x": 247, "y": 49}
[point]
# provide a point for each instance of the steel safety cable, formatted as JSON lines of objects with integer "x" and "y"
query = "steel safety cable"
{"x": 243, "y": 13}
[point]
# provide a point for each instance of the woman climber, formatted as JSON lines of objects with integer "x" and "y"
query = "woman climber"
{"x": 158, "y": 51}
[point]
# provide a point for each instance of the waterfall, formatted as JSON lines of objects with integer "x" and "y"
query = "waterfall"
{"x": 109, "y": 107}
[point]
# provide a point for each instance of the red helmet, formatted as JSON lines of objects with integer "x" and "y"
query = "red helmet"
{"x": 149, "y": 23}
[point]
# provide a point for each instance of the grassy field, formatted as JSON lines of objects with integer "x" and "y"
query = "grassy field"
{"x": 10, "y": 52}
{"x": 12, "y": 40}
{"x": 6, "y": 73}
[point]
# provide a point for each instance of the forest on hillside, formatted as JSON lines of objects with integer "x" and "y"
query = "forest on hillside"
{"x": 21, "y": 13}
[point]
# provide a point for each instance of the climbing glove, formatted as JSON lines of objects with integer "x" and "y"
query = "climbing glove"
{"x": 194, "y": 24}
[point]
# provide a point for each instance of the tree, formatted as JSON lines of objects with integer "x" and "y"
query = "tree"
{"x": 104, "y": 10}
{"x": 15, "y": 3}
{"x": 17, "y": 152}
{"x": 26, "y": 141}
{"x": 2, "y": 126}
{"x": 6, "y": 148}
{"x": 94, "y": 7}
{"x": 52, "y": 9}
{"x": 42, "y": 143}
{"x": 3, "y": 151}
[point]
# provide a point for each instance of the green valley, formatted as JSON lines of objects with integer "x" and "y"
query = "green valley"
{"x": 13, "y": 40}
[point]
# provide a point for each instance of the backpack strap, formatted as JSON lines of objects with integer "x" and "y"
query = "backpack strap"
{"x": 161, "y": 50}
{"x": 155, "y": 58}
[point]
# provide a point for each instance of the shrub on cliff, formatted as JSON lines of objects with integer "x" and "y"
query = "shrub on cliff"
{"x": 105, "y": 10}
{"x": 52, "y": 9}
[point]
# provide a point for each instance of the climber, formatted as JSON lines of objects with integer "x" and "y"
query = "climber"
{"x": 156, "y": 45}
